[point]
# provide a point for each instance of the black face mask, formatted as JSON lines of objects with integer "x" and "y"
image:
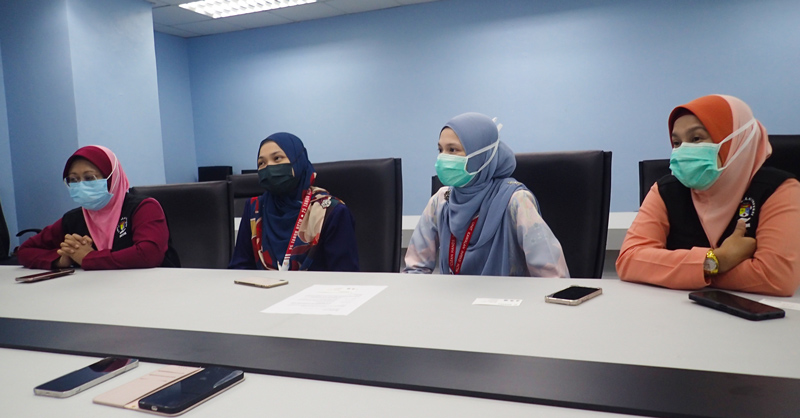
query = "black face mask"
{"x": 278, "y": 179}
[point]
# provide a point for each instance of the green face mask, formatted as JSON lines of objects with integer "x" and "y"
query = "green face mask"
{"x": 452, "y": 169}
{"x": 695, "y": 165}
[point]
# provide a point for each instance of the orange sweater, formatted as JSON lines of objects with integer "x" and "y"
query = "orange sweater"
{"x": 773, "y": 270}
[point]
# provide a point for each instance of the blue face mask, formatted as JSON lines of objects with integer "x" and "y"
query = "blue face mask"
{"x": 91, "y": 195}
{"x": 695, "y": 165}
{"x": 452, "y": 169}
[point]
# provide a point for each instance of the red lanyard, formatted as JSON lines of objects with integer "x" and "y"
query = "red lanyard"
{"x": 303, "y": 211}
{"x": 455, "y": 268}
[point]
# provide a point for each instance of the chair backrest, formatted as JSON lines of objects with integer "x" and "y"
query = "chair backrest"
{"x": 785, "y": 156}
{"x": 574, "y": 193}
{"x": 244, "y": 187}
{"x": 785, "y": 153}
{"x": 213, "y": 172}
{"x": 371, "y": 189}
{"x": 200, "y": 217}
{"x": 5, "y": 239}
{"x": 649, "y": 172}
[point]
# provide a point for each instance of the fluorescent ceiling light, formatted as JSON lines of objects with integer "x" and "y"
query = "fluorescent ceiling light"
{"x": 225, "y": 8}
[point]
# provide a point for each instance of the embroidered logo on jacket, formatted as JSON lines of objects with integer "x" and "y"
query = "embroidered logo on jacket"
{"x": 122, "y": 226}
{"x": 747, "y": 209}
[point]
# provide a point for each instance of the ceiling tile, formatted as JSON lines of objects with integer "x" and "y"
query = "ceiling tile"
{"x": 257, "y": 20}
{"x": 306, "y": 12}
{"x": 174, "y": 15}
{"x": 356, "y": 6}
{"x": 157, "y": 3}
{"x": 174, "y": 31}
{"x": 209, "y": 27}
{"x": 415, "y": 1}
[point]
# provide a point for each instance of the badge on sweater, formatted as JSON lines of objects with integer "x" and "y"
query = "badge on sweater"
{"x": 747, "y": 209}
{"x": 122, "y": 226}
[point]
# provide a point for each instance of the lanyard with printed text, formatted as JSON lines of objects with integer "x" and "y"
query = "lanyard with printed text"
{"x": 303, "y": 210}
{"x": 455, "y": 266}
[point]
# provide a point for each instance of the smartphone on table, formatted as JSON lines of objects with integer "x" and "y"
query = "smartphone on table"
{"x": 80, "y": 380}
{"x": 736, "y": 305}
{"x": 38, "y": 277}
{"x": 573, "y": 295}
{"x": 185, "y": 394}
{"x": 261, "y": 282}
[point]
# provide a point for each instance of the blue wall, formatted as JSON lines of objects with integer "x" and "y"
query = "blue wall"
{"x": 560, "y": 75}
{"x": 175, "y": 101}
{"x": 6, "y": 173}
{"x": 77, "y": 72}
{"x": 116, "y": 86}
{"x": 41, "y": 110}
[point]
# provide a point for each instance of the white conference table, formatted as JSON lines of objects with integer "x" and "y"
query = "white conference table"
{"x": 628, "y": 324}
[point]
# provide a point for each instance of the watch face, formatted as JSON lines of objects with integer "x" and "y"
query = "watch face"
{"x": 709, "y": 265}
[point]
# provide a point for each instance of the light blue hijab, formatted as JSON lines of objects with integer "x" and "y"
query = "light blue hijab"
{"x": 486, "y": 195}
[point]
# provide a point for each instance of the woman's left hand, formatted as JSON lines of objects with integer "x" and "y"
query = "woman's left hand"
{"x": 76, "y": 247}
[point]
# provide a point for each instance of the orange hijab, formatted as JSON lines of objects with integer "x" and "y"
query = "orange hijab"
{"x": 722, "y": 115}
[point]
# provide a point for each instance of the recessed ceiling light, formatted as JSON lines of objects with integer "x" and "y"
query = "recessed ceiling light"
{"x": 225, "y": 8}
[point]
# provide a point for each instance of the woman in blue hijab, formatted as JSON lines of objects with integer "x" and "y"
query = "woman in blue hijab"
{"x": 482, "y": 222}
{"x": 293, "y": 225}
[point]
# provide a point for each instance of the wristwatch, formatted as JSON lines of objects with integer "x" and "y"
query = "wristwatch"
{"x": 711, "y": 265}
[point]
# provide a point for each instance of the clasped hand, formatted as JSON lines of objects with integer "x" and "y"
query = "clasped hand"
{"x": 74, "y": 249}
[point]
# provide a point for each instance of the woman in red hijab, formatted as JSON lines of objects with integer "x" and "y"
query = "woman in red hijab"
{"x": 720, "y": 219}
{"x": 111, "y": 230}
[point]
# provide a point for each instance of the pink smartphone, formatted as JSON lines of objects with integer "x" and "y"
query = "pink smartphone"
{"x": 261, "y": 282}
{"x": 44, "y": 276}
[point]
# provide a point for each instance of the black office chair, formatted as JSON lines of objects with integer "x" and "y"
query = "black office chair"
{"x": 213, "y": 172}
{"x": 649, "y": 172}
{"x": 785, "y": 156}
{"x": 574, "y": 193}
{"x": 5, "y": 241}
{"x": 785, "y": 153}
{"x": 371, "y": 189}
{"x": 244, "y": 187}
{"x": 200, "y": 217}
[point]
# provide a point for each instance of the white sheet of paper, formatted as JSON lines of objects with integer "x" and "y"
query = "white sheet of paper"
{"x": 780, "y": 304}
{"x": 497, "y": 302}
{"x": 326, "y": 300}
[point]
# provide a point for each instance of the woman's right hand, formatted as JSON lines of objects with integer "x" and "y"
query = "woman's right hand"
{"x": 736, "y": 248}
{"x": 63, "y": 262}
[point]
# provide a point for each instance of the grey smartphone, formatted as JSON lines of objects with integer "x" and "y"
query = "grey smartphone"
{"x": 261, "y": 281}
{"x": 38, "y": 277}
{"x": 80, "y": 380}
{"x": 185, "y": 394}
{"x": 736, "y": 305}
{"x": 573, "y": 295}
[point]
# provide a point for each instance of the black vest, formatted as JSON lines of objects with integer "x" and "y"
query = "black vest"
{"x": 685, "y": 230}
{"x": 74, "y": 223}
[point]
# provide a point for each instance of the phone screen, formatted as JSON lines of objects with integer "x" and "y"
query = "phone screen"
{"x": 85, "y": 375}
{"x": 574, "y": 292}
{"x": 736, "y": 305}
{"x": 187, "y": 392}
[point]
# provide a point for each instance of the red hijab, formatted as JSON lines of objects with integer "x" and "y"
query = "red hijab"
{"x": 722, "y": 115}
{"x": 103, "y": 223}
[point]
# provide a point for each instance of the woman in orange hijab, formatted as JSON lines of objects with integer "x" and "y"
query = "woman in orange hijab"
{"x": 720, "y": 219}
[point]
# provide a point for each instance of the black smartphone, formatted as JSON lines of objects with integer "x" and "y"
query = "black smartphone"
{"x": 38, "y": 277}
{"x": 182, "y": 395}
{"x": 83, "y": 379}
{"x": 573, "y": 295}
{"x": 736, "y": 305}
